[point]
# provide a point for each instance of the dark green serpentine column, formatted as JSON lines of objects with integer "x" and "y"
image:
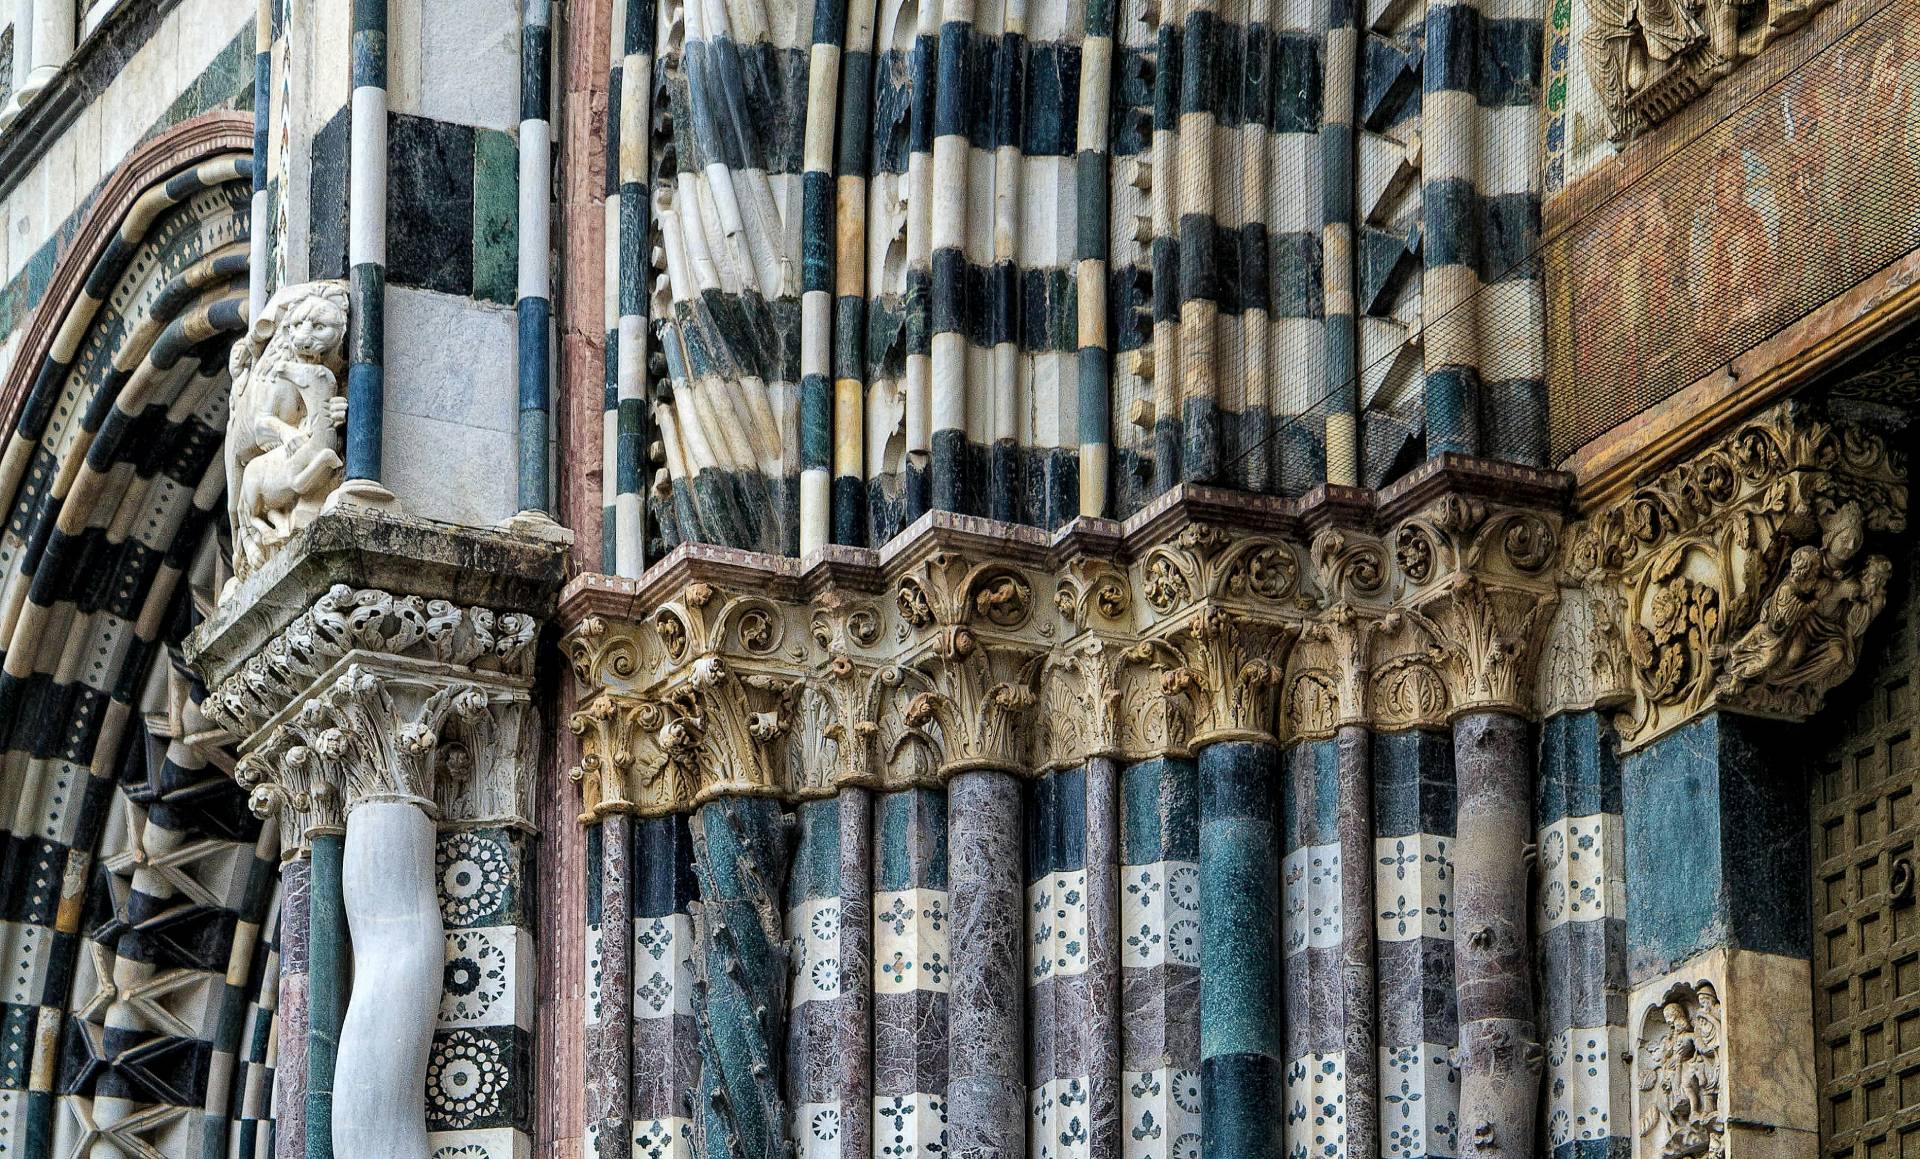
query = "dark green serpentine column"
{"x": 740, "y": 977}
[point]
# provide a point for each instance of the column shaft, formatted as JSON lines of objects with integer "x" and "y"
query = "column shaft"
{"x": 326, "y": 988}
{"x": 986, "y": 1088}
{"x": 399, "y": 948}
{"x": 740, "y": 966}
{"x": 1359, "y": 1021}
{"x": 1239, "y": 951}
{"x": 290, "y": 1068}
{"x": 1500, "y": 1058}
{"x": 1103, "y": 959}
{"x": 608, "y": 1044}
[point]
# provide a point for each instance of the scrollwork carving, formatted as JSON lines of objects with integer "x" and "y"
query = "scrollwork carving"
{"x": 1742, "y": 575}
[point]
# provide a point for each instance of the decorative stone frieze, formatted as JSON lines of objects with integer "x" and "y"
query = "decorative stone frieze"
{"x": 1649, "y": 60}
{"x": 1740, "y": 578}
{"x": 972, "y": 645}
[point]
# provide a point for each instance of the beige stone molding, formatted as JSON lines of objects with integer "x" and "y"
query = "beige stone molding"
{"x": 1740, "y": 578}
{"x": 967, "y": 644}
{"x": 372, "y": 696}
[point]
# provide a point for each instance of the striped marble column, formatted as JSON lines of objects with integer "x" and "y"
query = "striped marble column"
{"x": 852, "y": 465}
{"x": 829, "y": 926}
{"x": 919, "y": 420}
{"x": 1313, "y": 926}
{"x": 1006, "y": 112}
{"x": 609, "y": 1035}
{"x": 666, "y": 1061}
{"x": 1337, "y": 190}
{"x": 986, "y": 1076}
{"x": 630, "y": 208}
{"x": 1164, "y": 224}
{"x": 239, "y": 1039}
{"x": 533, "y": 307}
{"x": 1092, "y": 173}
{"x": 260, "y": 228}
{"x": 1073, "y": 963}
{"x": 912, "y": 980}
{"x": 1240, "y": 928}
{"x": 251, "y": 1108}
{"x": 1450, "y": 252}
{"x": 952, "y": 106}
{"x": 367, "y": 242}
{"x": 1195, "y": 181}
{"x": 1580, "y": 923}
{"x": 740, "y": 851}
{"x": 1160, "y": 959}
{"x": 290, "y": 1071}
{"x": 1413, "y": 808}
{"x": 818, "y": 206}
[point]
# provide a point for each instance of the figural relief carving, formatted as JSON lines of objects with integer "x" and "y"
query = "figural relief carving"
{"x": 1740, "y": 578}
{"x": 283, "y": 448}
{"x": 1650, "y": 58}
{"x": 1678, "y": 1061}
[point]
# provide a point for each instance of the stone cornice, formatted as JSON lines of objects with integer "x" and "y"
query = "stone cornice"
{"x": 966, "y": 644}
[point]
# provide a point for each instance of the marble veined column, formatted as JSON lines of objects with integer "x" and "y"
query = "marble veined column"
{"x": 393, "y": 913}
{"x": 986, "y": 1079}
{"x": 1239, "y": 950}
{"x": 740, "y": 977}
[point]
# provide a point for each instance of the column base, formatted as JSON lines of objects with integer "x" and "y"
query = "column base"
{"x": 366, "y": 494}
{"x": 535, "y": 525}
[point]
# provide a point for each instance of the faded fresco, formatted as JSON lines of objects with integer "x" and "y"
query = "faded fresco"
{"x": 1792, "y": 198}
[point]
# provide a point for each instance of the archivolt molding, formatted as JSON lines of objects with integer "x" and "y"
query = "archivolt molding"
{"x": 372, "y": 696}
{"x": 1738, "y": 579}
{"x": 722, "y": 672}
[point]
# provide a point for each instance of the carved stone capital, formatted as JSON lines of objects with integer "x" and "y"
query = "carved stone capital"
{"x": 971, "y": 645}
{"x": 1478, "y": 586}
{"x": 396, "y": 731}
{"x": 347, "y": 620}
{"x": 1741, "y": 578}
{"x": 370, "y": 695}
{"x": 971, "y": 677}
{"x": 1223, "y": 669}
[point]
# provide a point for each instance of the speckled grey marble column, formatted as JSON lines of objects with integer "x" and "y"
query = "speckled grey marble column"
{"x": 1500, "y": 1055}
{"x": 740, "y": 853}
{"x": 290, "y": 1068}
{"x": 986, "y": 1088}
{"x": 608, "y": 1042}
{"x": 1103, "y": 959}
{"x": 1353, "y": 750}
